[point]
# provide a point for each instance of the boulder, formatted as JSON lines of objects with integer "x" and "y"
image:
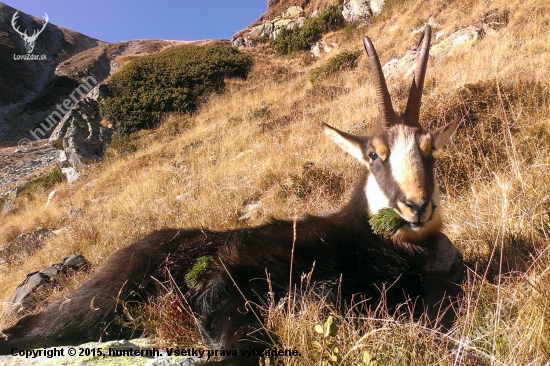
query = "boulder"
{"x": 8, "y": 207}
{"x": 405, "y": 64}
{"x": 460, "y": 40}
{"x": 30, "y": 291}
{"x": 293, "y": 12}
{"x": 357, "y": 11}
{"x": 319, "y": 47}
{"x": 80, "y": 133}
{"x": 376, "y": 6}
{"x": 24, "y": 244}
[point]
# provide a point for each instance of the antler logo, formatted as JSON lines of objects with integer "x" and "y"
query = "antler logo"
{"x": 29, "y": 40}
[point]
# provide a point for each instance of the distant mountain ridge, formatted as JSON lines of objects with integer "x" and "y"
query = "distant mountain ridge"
{"x": 25, "y": 81}
{"x": 30, "y": 90}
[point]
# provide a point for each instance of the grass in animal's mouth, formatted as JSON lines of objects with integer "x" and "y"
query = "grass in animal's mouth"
{"x": 386, "y": 222}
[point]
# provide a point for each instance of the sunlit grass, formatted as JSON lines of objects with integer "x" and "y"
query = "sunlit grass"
{"x": 251, "y": 144}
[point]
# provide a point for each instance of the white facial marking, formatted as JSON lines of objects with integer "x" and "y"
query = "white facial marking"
{"x": 375, "y": 196}
{"x": 406, "y": 165}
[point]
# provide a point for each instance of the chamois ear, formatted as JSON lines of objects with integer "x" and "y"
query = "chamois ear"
{"x": 443, "y": 134}
{"x": 353, "y": 145}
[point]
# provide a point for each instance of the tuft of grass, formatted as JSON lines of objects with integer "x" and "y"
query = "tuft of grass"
{"x": 43, "y": 183}
{"x": 313, "y": 179}
{"x": 341, "y": 62}
{"x": 194, "y": 277}
{"x": 386, "y": 222}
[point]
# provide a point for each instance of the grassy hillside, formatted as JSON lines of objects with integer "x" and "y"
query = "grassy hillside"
{"x": 260, "y": 142}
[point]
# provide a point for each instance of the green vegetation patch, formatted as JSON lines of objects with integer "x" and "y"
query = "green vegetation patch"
{"x": 341, "y": 62}
{"x": 299, "y": 39}
{"x": 386, "y": 222}
{"x": 312, "y": 179}
{"x": 42, "y": 183}
{"x": 194, "y": 277}
{"x": 173, "y": 80}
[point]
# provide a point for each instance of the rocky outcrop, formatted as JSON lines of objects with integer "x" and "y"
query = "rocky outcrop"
{"x": 31, "y": 90}
{"x": 290, "y": 18}
{"x": 319, "y": 47}
{"x": 32, "y": 291}
{"x": 295, "y": 16}
{"x": 80, "y": 135}
{"x": 357, "y": 11}
{"x": 460, "y": 40}
{"x": 22, "y": 81}
{"x": 361, "y": 10}
{"x": 24, "y": 244}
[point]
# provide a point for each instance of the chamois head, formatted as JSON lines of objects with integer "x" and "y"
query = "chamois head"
{"x": 399, "y": 155}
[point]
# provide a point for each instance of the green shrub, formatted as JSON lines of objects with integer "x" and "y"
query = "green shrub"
{"x": 340, "y": 62}
{"x": 193, "y": 279}
{"x": 386, "y": 222}
{"x": 43, "y": 183}
{"x": 298, "y": 39}
{"x": 172, "y": 80}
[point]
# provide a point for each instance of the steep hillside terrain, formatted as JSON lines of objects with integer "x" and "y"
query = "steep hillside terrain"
{"x": 257, "y": 151}
{"x": 24, "y": 81}
{"x": 32, "y": 89}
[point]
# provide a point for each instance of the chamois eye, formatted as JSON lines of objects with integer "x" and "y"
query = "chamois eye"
{"x": 373, "y": 156}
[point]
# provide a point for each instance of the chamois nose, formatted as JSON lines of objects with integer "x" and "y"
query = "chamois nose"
{"x": 418, "y": 209}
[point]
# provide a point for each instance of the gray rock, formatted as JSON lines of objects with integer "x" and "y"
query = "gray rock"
{"x": 357, "y": 10}
{"x": 376, "y": 6}
{"x": 71, "y": 174}
{"x": 80, "y": 133}
{"x": 405, "y": 64}
{"x": 318, "y": 48}
{"x": 24, "y": 244}
{"x": 462, "y": 39}
{"x": 293, "y": 12}
{"x": 250, "y": 210}
{"x": 30, "y": 292}
{"x": 9, "y": 207}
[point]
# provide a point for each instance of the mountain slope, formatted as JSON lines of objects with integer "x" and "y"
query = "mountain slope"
{"x": 31, "y": 89}
{"x": 257, "y": 151}
{"x": 24, "y": 81}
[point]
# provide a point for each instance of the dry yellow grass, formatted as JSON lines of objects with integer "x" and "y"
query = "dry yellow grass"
{"x": 252, "y": 142}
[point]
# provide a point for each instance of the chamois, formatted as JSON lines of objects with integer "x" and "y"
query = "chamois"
{"x": 418, "y": 260}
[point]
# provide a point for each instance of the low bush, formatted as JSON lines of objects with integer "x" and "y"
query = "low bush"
{"x": 340, "y": 62}
{"x": 298, "y": 39}
{"x": 172, "y": 80}
{"x": 42, "y": 183}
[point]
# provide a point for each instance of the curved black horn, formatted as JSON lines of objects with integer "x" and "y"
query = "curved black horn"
{"x": 385, "y": 108}
{"x": 412, "y": 112}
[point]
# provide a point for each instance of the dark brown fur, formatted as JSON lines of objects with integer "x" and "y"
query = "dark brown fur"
{"x": 341, "y": 245}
